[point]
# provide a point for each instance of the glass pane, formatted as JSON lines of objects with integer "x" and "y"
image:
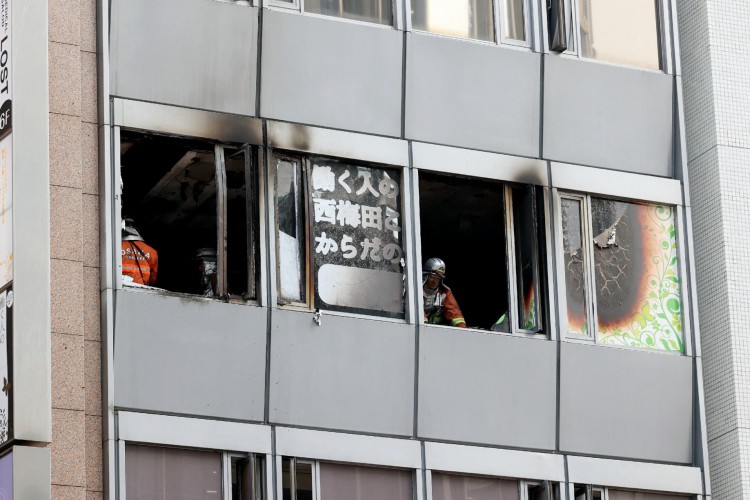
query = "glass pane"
{"x": 357, "y": 238}
{"x": 304, "y": 481}
{"x": 525, "y": 228}
{"x": 461, "y": 18}
{"x": 374, "y": 11}
{"x": 637, "y": 275}
{"x": 635, "y": 495}
{"x": 243, "y": 482}
{"x": 169, "y": 211}
{"x": 238, "y": 252}
{"x": 514, "y": 21}
{"x": 620, "y": 31}
{"x": 286, "y": 479}
{"x": 291, "y": 242}
{"x": 573, "y": 259}
{"x": 453, "y": 487}
{"x": 154, "y": 473}
{"x": 364, "y": 483}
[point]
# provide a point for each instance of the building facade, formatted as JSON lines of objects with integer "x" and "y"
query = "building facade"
{"x": 218, "y": 237}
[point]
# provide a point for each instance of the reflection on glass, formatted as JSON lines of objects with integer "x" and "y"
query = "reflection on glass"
{"x": 373, "y": 11}
{"x": 172, "y": 474}
{"x": 291, "y": 242}
{"x": 527, "y": 258}
{"x": 573, "y": 259}
{"x": 455, "y": 487}
{"x": 637, "y": 275}
{"x": 461, "y": 18}
{"x": 238, "y": 252}
{"x": 620, "y": 31}
{"x": 514, "y": 23}
{"x": 350, "y": 482}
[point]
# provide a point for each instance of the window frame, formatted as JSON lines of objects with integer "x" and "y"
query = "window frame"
{"x": 590, "y": 288}
{"x": 542, "y": 250}
{"x": 298, "y": 6}
{"x": 253, "y": 181}
{"x": 304, "y": 160}
{"x": 500, "y": 38}
{"x": 664, "y": 22}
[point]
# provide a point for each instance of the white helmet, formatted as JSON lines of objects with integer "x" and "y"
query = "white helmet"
{"x": 129, "y": 232}
{"x": 434, "y": 265}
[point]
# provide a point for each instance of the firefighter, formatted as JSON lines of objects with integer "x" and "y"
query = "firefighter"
{"x": 440, "y": 306}
{"x": 140, "y": 261}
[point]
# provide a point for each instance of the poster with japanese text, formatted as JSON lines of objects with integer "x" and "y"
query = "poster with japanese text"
{"x": 357, "y": 238}
{"x": 6, "y": 150}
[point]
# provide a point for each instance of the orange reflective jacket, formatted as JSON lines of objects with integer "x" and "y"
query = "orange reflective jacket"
{"x": 444, "y": 309}
{"x": 140, "y": 262}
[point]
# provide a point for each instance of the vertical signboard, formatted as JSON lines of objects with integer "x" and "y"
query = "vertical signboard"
{"x": 6, "y": 477}
{"x": 6, "y": 149}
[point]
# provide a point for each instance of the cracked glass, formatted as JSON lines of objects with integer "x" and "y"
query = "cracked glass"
{"x": 573, "y": 260}
{"x": 636, "y": 275}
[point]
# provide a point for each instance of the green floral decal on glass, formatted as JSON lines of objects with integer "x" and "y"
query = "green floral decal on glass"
{"x": 636, "y": 275}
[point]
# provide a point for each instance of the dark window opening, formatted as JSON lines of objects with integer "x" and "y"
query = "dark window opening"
{"x": 296, "y": 479}
{"x": 490, "y": 237}
{"x": 193, "y": 204}
{"x": 247, "y": 475}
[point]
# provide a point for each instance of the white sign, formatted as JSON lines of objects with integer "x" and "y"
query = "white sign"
{"x": 5, "y": 309}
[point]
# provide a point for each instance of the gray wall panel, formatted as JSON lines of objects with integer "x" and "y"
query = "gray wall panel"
{"x": 194, "y": 53}
{"x": 626, "y": 403}
{"x": 472, "y": 95}
{"x": 607, "y": 116}
{"x": 331, "y": 73}
{"x": 188, "y": 356}
{"x": 487, "y": 389}
{"x": 32, "y": 473}
{"x": 348, "y": 374}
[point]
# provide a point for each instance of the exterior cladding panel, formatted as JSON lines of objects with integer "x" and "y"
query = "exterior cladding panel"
{"x": 459, "y": 94}
{"x": 625, "y": 403}
{"x": 187, "y": 356}
{"x": 331, "y": 73}
{"x": 487, "y": 389}
{"x": 607, "y": 116}
{"x": 193, "y": 53}
{"x": 347, "y": 374}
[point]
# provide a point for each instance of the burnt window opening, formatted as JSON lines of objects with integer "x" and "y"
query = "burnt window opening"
{"x": 621, "y": 273}
{"x": 194, "y": 204}
{"x": 490, "y": 236}
{"x": 339, "y": 242}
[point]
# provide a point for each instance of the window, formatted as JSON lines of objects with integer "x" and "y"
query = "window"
{"x": 339, "y": 240}
{"x": 471, "y": 19}
{"x": 189, "y": 216}
{"x": 620, "y": 271}
{"x": 156, "y": 473}
{"x": 308, "y": 480}
{"x": 589, "y": 492}
{"x": 371, "y": 11}
{"x": 618, "y": 31}
{"x": 447, "y": 486}
{"x": 490, "y": 237}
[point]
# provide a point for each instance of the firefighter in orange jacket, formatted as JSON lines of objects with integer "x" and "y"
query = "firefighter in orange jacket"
{"x": 140, "y": 261}
{"x": 440, "y": 306}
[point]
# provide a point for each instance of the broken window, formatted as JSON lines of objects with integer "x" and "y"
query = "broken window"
{"x": 306, "y": 480}
{"x": 490, "y": 237}
{"x": 626, "y": 252}
{"x": 342, "y": 222}
{"x": 189, "y": 216}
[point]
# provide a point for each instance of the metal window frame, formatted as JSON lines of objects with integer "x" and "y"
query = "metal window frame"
{"x": 588, "y": 249}
{"x": 530, "y": 13}
{"x": 304, "y": 161}
{"x": 254, "y": 293}
{"x": 546, "y": 309}
{"x": 665, "y": 21}
{"x": 298, "y": 6}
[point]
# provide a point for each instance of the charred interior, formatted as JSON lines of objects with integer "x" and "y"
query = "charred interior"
{"x": 169, "y": 190}
{"x": 463, "y": 223}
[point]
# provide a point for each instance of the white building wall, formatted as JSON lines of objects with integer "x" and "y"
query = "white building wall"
{"x": 716, "y": 76}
